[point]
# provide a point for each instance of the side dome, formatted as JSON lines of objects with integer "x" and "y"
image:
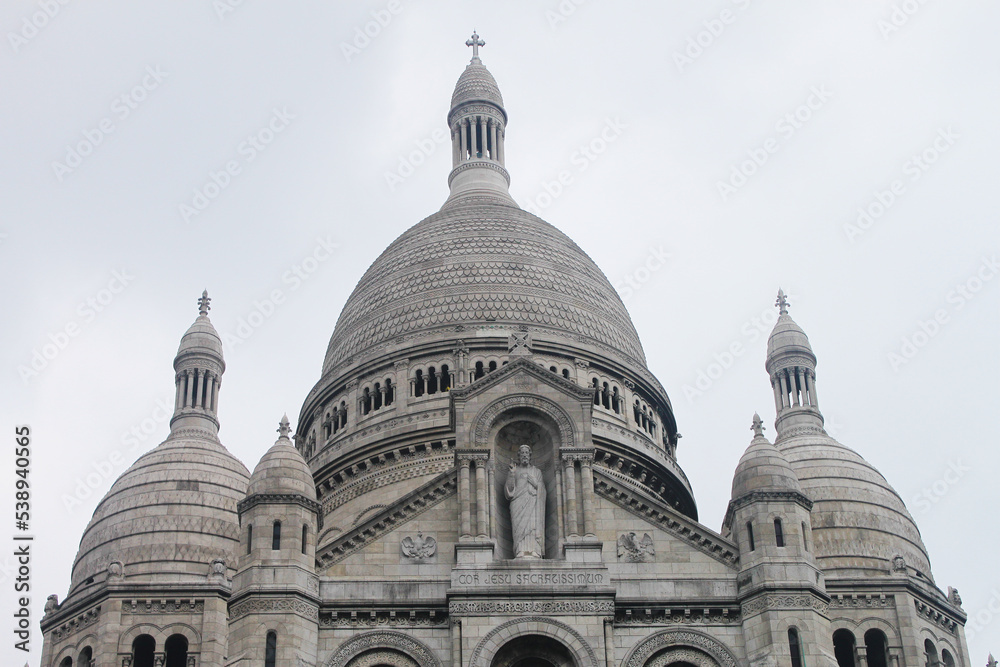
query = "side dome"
{"x": 282, "y": 470}
{"x": 787, "y": 337}
{"x": 763, "y": 468}
{"x": 482, "y": 267}
{"x": 859, "y": 523}
{"x": 166, "y": 518}
{"x": 201, "y": 337}
{"x": 476, "y": 84}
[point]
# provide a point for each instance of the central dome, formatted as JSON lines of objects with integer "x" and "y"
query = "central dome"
{"x": 483, "y": 266}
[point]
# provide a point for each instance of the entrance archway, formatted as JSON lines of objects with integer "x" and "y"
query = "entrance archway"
{"x": 533, "y": 651}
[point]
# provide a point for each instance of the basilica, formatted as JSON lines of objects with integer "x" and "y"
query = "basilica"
{"x": 485, "y": 475}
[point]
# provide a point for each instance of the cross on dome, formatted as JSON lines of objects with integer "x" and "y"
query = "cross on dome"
{"x": 203, "y": 303}
{"x": 475, "y": 43}
{"x": 782, "y": 302}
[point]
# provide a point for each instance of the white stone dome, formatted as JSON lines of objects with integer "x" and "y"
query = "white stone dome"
{"x": 476, "y": 85}
{"x": 282, "y": 470}
{"x": 763, "y": 468}
{"x": 167, "y": 517}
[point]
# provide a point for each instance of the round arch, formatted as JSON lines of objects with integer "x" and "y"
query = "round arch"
{"x": 482, "y": 425}
{"x": 412, "y": 648}
{"x": 670, "y": 640}
{"x": 486, "y": 649}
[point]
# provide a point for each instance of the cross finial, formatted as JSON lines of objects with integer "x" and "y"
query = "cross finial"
{"x": 758, "y": 426}
{"x": 203, "y": 303}
{"x": 284, "y": 428}
{"x": 991, "y": 661}
{"x": 475, "y": 43}
{"x": 782, "y": 302}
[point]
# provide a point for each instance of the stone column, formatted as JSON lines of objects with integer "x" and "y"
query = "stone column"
{"x": 456, "y": 643}
{"x": 455, "y": 145}
{"x": 569, "y": 478}
{"x": 491, "y": 488}
{"x": 811, "y": 382}
{"x": 473, "y": 142}
{"x": 784, "y": 389}
{"x": 587, "y": 480}
{"x": 465, "y": 140}
{"x": 800, "y": 387}
{"x": 178, "y": 391}
{"x": 500, "y": 146}
{"x": 494, "y": 152}
{"x": 464, "y": 498}
{"x": 560, "y": 493}
{"x": 609, "y": 642}
{"x": 189, "y": 398}
{"x": 481, "y": 495}
{"x": 199, "y": 388}
{"x": 216, "y": 382}
{"x": 482, "y": 135}
{"x": 776, "y": 385}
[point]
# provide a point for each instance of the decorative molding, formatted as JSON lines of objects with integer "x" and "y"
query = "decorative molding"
{"x": 483, "y": 654}
{"x": 936, "y": 615}
{"x": 163, "y": 606}
{"x": 514, "y": 607}
{"x": 383, "y": 618}
{"x": 862, "y": 602}
{"x": 74, "y": 625}
{"x": 274, "y": 606}
{"x": 783, "y": 601}
{"x": 670, "y": 639}
{"x": 679, "y": 616}
{"x": 407, "y": 463}
{"x": 372, "y": 641}
{"x": 663, "y": 517}
{"x": 405, "y": 509}
{"x": 765, "y": 497}
{"x": 277, "y": 499}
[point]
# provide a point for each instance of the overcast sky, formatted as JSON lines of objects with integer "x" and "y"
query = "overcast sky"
{"x": 843, "y": 151}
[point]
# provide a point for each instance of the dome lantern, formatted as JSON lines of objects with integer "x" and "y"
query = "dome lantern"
{"x": 199, "y": 366}
{"x": 792, "y": 367}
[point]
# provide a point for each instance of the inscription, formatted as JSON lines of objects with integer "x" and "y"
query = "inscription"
{"x": 531, "y": 579}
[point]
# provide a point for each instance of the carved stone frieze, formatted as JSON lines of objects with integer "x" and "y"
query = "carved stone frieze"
{"x": 269, "y": 605}
{"x": 670, "y": 639}
{"x": 374, "y": 641}
{"x": 79, "y": 622}
{"x": 782, "y": 601}
{"x": 512, "y": 607}
{"x": 163, "y": 606}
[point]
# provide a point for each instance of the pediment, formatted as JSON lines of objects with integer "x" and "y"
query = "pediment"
{"x": 514, "y": 375}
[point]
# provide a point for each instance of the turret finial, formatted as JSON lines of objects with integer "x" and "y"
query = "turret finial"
{"x": 203, "y": 304}
{"x": 475, "y": 43}
{"x": 782, "y": 302}
{"x": 758, "y": 426}
{"x": 283, "y": 428}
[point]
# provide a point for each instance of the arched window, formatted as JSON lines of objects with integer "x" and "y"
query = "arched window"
{"x": 177, "y": 650}
{"x": 553, "y": 369}
{"x": 86, "y": 658}
{"x": 616, "y": 400}
{"x": 366, "y": 401}
{"x": 930, "y": 653}
{"x": 805, "y": 542}
{"x": 445, "y": 378}
{"x": 876, "y": 648}
{"x": 480, "y": 372}
{"x": 418, "y": 384}
{"x": 432, "y": 380}
{"x": 343, "y": 414}
{"x": 750, "y": 535}
{"x": 947, "y": 659}
{"x": 143, "y": 648}
{"x": 595, "y": 383}
{"x": 271, "y": 649}
{"x": 844, "y": 647}
{"x": 377, "y": 397}
{"x": 66, "y": 662}
{"x": 795, "y": 647}
{"x": 276, "y": 536}
{"x": 249, "y": 539}
{"x": 390, "y": 392}
{"x": 779, "y": 534}
{"x": 566, "y": 373}
{"x": 606, "y": 396}
{"x": 305, "y": 536}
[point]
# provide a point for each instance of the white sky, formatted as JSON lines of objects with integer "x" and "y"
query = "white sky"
{"x": 885, "y": 99}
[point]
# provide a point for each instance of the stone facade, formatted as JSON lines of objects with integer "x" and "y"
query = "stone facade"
{"x": 380, "y": 533}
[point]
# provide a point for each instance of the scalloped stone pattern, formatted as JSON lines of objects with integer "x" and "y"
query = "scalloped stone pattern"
{"x": 168, "y": 516}
{"x": 482, "y": 265}
{"x": 476, "y": 83}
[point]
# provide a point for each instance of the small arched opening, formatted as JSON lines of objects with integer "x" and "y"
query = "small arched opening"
{"x": 844, "y": 647}
{"x": 533, "y": 651}
{"x": 876, "y": 648}
{"x": 86, "y": 657}
{"x": 271, "y": 649}
{"x": 795, "y": 647}
{"x": 176, "y": 647}
{"x": 143, "y": 648}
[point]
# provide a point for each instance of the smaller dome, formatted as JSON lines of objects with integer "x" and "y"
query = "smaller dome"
{"x": 476, "y": 85}
{"x": 201, "y": 337}
{"x": 787, "y": 337}
{"x": 282, "y": 470}
{"x": 763, "y": 468}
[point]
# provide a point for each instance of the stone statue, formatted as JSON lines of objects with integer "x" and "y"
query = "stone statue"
{"x": 525, "y": 489}
{"x": 51, "y": 603}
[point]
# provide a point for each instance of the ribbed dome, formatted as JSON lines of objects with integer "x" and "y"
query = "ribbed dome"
{"x": 859, "y": 522}
{"x": 202, "y": 337}
{"x": 763, "y": 468}
{"x": 476, "y": 85}
{"x": 167, "y": 517}
{"x": 787, "y": 337}
{"x": 282, "y": 470}
{"x": 482, "y": 267}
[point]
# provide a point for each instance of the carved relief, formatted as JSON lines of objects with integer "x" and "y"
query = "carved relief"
{"x": 418, "y": 549}
{"x": 486, "y": 418}
{"x": 669, "y": 639}
{"x": 633, "y": 549}
{"x": 375, "y": 641}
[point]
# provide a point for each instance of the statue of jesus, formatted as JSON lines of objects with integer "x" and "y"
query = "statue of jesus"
{"x": 525, "y": 489}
